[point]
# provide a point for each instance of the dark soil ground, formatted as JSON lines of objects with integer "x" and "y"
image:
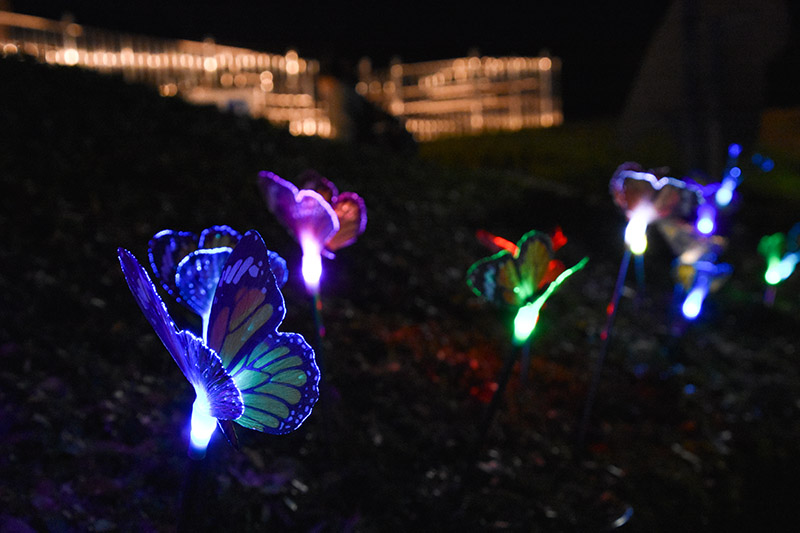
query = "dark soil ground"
{"x": 695, "y": 426}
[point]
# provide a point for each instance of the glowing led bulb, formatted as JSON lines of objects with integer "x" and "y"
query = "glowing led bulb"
{"x": 705, "y": 219}
{"x": 772, "y": 276}
{"x": 787, "y": 265}
{"x": 312, "y": 262}
{"x": 694, "y": 302}
{"x": 778, "y": 271}
{"x": 528, "y": 315}
{"x": 203, "y": 424}
{"x": 525, "y": 322}
{"x": 636, "y": 230}
{"x": 724, "y": 195}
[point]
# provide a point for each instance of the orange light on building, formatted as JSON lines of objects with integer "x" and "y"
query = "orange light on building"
{"x": 71, "y": 57}
{"x": 210, "y": 64}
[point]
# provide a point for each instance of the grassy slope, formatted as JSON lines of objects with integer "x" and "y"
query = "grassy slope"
{"x": 576, "y": 153}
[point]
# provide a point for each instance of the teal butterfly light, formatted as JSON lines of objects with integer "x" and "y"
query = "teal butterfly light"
{"x": 782, "y": 254}
{"x": 243, "y": 369}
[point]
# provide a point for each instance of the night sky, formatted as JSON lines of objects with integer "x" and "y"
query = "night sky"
{"x": 601, "y": 44}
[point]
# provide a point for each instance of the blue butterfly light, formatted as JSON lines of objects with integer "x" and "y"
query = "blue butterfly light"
{"x": 243, "y": 369}
{"x": 189, "y": 266}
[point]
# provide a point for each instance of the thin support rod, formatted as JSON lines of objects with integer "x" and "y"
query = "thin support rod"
{"x": 605, "y": 338}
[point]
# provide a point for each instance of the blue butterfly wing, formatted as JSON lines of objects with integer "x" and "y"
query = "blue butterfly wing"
{"x": 279, "y": 268}
{"x": 201, "y": 366}
{"x": 219, "y": 237}
{"x": 166, "y": 249}
{"x": 197, "y": 276}
{"x": 153, "y": 308}
{"x": 275, "y": 372}
{"x": 718, "y": 273}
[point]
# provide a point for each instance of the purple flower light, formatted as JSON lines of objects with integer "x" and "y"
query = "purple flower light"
{"x": 318, "y": 217}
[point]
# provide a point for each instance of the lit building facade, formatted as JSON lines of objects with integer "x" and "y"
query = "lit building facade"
{"x": 278, "y": 87}
{"x": 431, "y": 99}
{"x": 467, "y": 95}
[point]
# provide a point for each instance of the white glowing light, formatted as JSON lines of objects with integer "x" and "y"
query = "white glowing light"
{"x": 71, "y": 57}
{"x": 203, "y": 424}
{"x": 694, "y": 302}
{"x": 724, "y": 195}
{"x": 780, "y": 270}
{"x": 705, "y": 220}
{"x": 772, "y": 276}
{"x": 705, "y": 225}
{"x": 210, "y": 64}
{"x": 312, "y": 262}
{"x": 525, "y": 321}
{"x": 636, "y": 230}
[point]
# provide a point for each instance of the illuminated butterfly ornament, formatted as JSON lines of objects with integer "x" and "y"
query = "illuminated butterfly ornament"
{"x": 320, "y": 218}
{"x": 717, "y": 196}
{"x": 688, "y": 243}
{"x": 522, "y": 276}
{"x": 243, "y": 369}
{"x": 189, "y": 266}
{"x": 723, "y": 192}
{"x": 697, "y": 280}
{"x": 646, "y": 198}
{"x": 696, "y": 270}
{"x": 349, "y": 207}
{"x": 782, "y": 253}
{"x": 731, "y": 178}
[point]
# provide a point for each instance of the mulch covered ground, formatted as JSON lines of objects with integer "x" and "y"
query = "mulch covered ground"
{"x": 694, "y": 430}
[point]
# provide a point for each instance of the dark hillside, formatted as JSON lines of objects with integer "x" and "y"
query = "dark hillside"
{"x": 693, "y": 432}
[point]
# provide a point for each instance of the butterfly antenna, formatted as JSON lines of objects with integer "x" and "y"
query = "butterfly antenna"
{"x": 228, "y": 429}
